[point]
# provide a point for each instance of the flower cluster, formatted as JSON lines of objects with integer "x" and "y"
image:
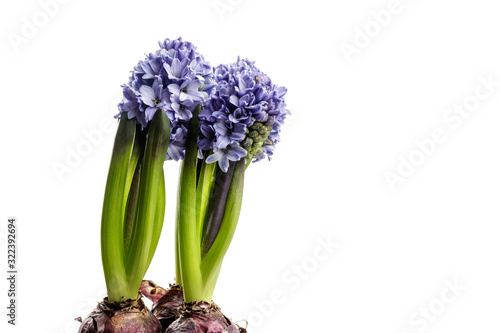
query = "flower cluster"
{"x": 176, "y": 78}
{"x": 243, "y": 116}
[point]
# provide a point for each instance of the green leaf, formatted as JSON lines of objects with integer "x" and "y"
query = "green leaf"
{"x": 158, "y": 220}
{"x": 203, "y": 191}
{"x": 212, "y": 261}
{"x": 112, "y": 247}
{"x": 131, "y": 209}
{"x": 188, "y": 244}
{"x": 215, "y": 211}
{"x": 157, "y": 142}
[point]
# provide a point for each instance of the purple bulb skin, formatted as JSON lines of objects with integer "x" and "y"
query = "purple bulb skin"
{"x": 167, "y": 308}
{"x": 121, "y": 317}
{"x": 176, "y": 316}
{"x": 203, "y": 317}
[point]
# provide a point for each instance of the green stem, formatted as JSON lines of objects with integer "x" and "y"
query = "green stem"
{"x": 157, "y": 142}
{"x": 188, "y": 243}
{"x": 112, "y": 248}
{"x": 212, "y": 261}
{"x": 249, "y": 159}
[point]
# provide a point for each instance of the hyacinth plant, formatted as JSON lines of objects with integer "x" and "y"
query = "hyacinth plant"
{"x": 240, "y": 123}
{"x": 164, "y": 92}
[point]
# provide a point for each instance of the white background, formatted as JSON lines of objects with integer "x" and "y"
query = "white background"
{"x": 352, "y": 121}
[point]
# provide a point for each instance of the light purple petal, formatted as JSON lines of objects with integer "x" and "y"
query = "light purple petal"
{"x": 234, "y": 100}
{"x": 176, "y": 68}
{"x": 150, "y": 112}
{"x": 185, "y": 114}
{"x": 232, "y": 155}
{"x": 237, "y": 136}
{"x": 175, "y": 106}
{"x": 215, "y": 156}
{"x": 239, "y": 150}
{"x": 224, "y": 164}
{"x": 187, "y": 102}
{"x": 220, "y": 128}
{"x": 174, "y": 89}
{"x": 129, "y": 107}
{"x": 168, "y": 69}
{"x": 192, "y": 85}
{"x": 147, "y": 92}
{"x": 222, "y": 142}
{"x": 207, "y": 130}
{"x": 173, "y": 153}
{"x": 155, "y": 66}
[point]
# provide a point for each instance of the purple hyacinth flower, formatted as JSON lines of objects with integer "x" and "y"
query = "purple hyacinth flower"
{"x": 183, "y": 109}
{"x": 201, "y": 67}
{"x": 245, "y": 108}
{"x": 151, "y": 68}
{"x": 245, "y": 83}
{"x": 177, "y": 144}
{"x": 154, "y": 97}
{"x": 233, "y": 153}
{"x": 228, "y": 133}
{"x": 131, "y": 105}
{"x": 207, "y": 136}
{"x": 178, "y": 69}
{"x": 188, "y": 90}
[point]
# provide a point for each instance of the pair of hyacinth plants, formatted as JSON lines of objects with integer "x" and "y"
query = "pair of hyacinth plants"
{"x": 217, "y": 121}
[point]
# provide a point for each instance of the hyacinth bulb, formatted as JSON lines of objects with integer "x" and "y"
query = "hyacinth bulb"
{"x": 121, "y": 317}
{"x": 203, "y": 317}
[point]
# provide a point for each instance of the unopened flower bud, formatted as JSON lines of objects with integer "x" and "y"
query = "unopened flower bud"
{"x": 247, "y": 142}
{"x": 258, "y": 139}
{"x": 258, "y": 151}
{"x": 253, "y": 134}
{"x": 257, "y": 126}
